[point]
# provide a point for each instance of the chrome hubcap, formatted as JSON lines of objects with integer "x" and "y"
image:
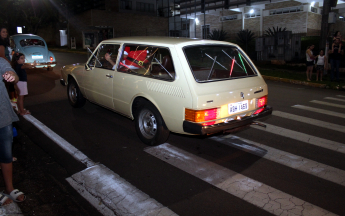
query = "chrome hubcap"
{"x": 147, "y": 124}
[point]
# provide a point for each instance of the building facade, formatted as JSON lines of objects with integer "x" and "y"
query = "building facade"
{"x": 302, "y": 16}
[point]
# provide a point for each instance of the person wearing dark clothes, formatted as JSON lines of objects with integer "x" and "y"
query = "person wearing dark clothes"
{"x": 336, "y": 51}
{"x": 18, "y": 63}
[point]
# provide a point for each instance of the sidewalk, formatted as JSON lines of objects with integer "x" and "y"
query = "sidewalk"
{"x": 43, "y": 181}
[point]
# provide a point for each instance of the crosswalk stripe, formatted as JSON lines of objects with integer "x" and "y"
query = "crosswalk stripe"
{"x": 328, "y": 104}
{"x": 287, "y": 159}
{"x": 250, "y": 190}
{"x": 340, "y": 95}
{"x": 311, "y": 121}
{"x": 313, "y": 140}
{"x": 322, "y": 111}
{"x": 336, "y": 99}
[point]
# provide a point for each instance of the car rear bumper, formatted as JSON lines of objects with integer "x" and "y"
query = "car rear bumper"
{"x": 45, "y": 64}
{"x": 195, "y": 128}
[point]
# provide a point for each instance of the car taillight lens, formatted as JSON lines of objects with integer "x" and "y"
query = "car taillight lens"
{"x": 51, "y": 58}
{"x": 201, "y": 115}
{"x": 261, "y": 101}
{"x": 258, "y": 111}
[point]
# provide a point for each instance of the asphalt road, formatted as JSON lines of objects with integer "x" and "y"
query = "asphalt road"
{"x": 294, "y": 166}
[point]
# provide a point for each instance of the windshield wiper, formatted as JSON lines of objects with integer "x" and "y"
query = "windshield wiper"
{"x": 94, "y": 56}
{"x": 211, "y": 71}
{"x": 233, "y": 59}
{"x": 216, "y": 61}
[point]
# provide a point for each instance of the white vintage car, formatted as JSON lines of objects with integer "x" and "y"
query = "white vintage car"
{"x": 179, "y": 85}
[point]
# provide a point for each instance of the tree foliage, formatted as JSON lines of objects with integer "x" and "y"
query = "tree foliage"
{"x": 218, "y": 34}
{"x": 245, "y": 36}
{"x": 33, "y": 14}
{"x": 270, "y": 32}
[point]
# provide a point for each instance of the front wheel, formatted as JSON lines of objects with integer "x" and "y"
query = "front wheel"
{"x": 150, "y": 125}
{"x": 75, "y": 98}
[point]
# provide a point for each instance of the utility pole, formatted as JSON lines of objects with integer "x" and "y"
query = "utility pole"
{"x": 324, "y": 22}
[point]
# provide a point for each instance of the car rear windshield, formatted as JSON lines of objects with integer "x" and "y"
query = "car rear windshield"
{"x": 32, "y": 42}
{"x": 218, "y": 62}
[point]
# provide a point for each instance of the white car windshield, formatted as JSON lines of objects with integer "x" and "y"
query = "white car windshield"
{"x": 218, "y": 62}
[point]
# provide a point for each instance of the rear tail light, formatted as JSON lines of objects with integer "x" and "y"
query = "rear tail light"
{"x": 51, "y": 58}
{"x": 201, "y": 115}
{"x": 260, "y": 102}
{"x": 258, "y": 111}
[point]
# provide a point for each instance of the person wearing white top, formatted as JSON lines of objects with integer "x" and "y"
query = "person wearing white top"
{"x": 321, "y": 64}
{"x": 310, "y": 61}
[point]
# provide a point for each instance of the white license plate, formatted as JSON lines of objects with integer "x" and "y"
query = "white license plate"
{"x": 37, "y": 56}
{"x": 238, "y": 107}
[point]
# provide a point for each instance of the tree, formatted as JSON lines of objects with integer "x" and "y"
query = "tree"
{"x": 245, "y": 37}
{"x": 269, "y": 31}
{"x": 218, "y": 34}
{"x": 31, "y": 14}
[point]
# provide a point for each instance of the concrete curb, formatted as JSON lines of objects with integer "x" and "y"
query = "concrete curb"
{"x": 287, "y": 80}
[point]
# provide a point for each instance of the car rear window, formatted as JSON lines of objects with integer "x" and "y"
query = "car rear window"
{"x": 218, "y": 62}
{"x": 31, "y": 42}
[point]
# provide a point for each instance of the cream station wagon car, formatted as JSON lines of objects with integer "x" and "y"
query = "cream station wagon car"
{"x": 180, "y": 85}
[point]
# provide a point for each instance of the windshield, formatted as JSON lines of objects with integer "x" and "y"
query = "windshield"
{"x": 217, "y": 62}
{"x": 31, "y": 42}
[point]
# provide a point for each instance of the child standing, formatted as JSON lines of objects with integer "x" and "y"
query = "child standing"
{"x": 320, "y": 65}
{"x": 18, "y": 64}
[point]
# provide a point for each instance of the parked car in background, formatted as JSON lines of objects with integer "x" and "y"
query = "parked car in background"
{"x": 34, "y": 48}
{"x": 180, "y": 85}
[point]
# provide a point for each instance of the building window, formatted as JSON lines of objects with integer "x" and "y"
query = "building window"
{"x": 145, "y": 7}
{"x": 341, "y": 18}
{"x": 313, "y": 9}
{"x": 205, "y": 31}
{"x": 231, "y": 17}
{"x": 185, "y": 26}
{"x": 126, "y": 5}
{"x": 286, "y": 10}
{"x": 252, "y": 15}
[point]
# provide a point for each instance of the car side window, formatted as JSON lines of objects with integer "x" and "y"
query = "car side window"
{"x": 150, "y": 61}
{"x": 107, "y": 55}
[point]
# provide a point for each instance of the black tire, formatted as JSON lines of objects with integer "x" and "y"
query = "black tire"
{"x": 75, "y": 97}
{"x": 150, "y": 125}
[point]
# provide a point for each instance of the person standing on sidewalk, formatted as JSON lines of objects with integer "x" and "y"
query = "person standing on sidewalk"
{"x": 321, "y": 64}
{"x": 310, "y": 61}
{"x": 335, "y": 56}
{"x": 5, "y": 53}
{"x": 7, "y": 116}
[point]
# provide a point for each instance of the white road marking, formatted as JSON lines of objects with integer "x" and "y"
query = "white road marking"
{"x": 336, "y": 99}
{"x": 328, "y": 104}
{"x": 250, "y": 190}
{"x": 110, "y": 192}
{"x": 287, "y": 159}
{"x": 116, "y": 193}
{"x": 311, "y": 121}
{"x": 313, "y": 140}
{"x": 322, "y": 111}
{"x": 341, "y": 96}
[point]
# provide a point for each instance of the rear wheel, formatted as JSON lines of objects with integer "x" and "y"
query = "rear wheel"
{"x": 150, "y": 125}
{"x": 75, "y": 98}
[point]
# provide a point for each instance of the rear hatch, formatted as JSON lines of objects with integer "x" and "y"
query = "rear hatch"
{"x": 226, "y": 82}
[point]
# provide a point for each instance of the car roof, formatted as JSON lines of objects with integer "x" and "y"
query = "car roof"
{"x": 26, "y": 36}
{"x": 163, "y": 40}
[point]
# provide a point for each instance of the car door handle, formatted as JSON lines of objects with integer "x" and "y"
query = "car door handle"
{"x": 109, "y": 76}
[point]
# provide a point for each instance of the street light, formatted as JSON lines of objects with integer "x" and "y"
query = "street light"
{"x": 251, "y": 11}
